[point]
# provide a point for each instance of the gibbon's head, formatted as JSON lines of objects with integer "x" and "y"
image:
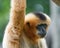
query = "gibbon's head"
{"x": 36, "y": 25}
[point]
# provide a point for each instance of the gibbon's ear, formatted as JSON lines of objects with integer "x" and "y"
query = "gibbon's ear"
{"x": 28, "y": 24}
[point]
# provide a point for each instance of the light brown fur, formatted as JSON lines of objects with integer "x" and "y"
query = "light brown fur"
{"x": 17, "y": 33}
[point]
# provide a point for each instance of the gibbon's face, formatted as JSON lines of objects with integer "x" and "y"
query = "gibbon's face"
{"x": 36, "y": 25}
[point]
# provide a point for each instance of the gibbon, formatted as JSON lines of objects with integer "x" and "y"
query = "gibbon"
{"x": 25, "y": 31}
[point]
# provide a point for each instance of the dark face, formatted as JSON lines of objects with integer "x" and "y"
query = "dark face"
{"x": 41, "y": 30}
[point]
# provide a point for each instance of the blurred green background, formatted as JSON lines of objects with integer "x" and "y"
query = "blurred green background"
{"x": 35, "y": 5}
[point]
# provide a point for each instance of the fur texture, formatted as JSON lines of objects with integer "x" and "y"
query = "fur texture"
{"x": 21, "y": 30}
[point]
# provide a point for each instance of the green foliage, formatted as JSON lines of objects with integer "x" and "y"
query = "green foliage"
{"x": 38, "y": 5}
{"x": 32, "y": 5}
{"x": 4, "y": 6}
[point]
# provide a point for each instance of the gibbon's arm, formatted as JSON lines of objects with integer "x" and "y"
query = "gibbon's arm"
{"x": 17, "y": 14}
{"x": 13, "y": 30}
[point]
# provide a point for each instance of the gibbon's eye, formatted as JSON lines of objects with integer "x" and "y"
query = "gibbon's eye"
{"x": 40, "y": 25}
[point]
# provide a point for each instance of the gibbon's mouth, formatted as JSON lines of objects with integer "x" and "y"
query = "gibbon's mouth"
{"x": 41, "y": 34}
{"x": 41, "y": 31}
